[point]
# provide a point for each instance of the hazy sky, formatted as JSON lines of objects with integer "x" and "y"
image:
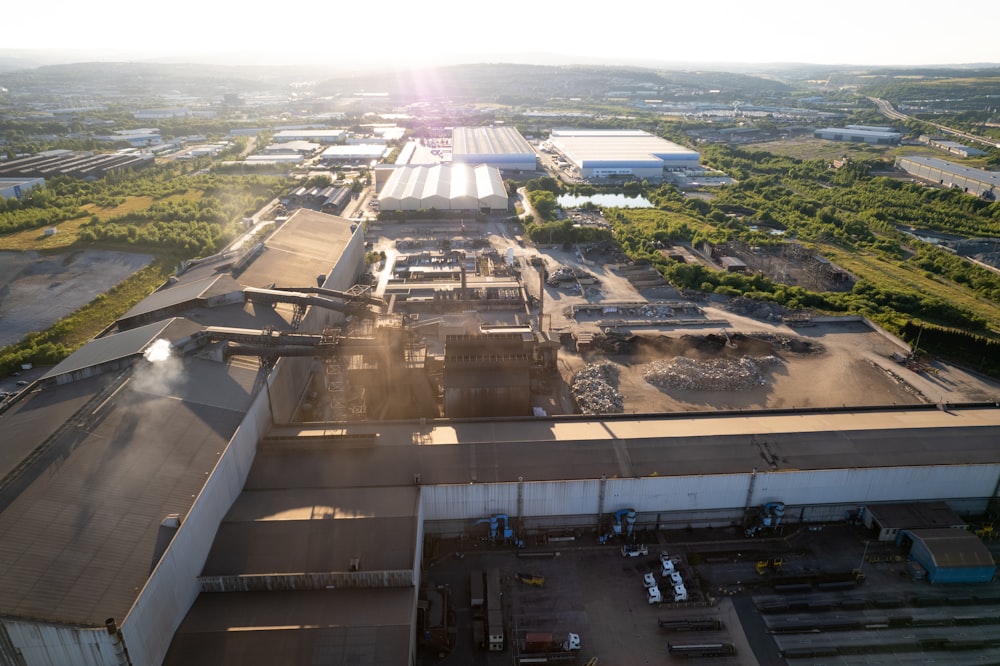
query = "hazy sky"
{"x": 903, "y": 32}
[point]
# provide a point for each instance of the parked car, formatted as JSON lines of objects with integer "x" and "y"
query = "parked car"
{"x": 634, "y": 551}
{"x": 648, "y": 580}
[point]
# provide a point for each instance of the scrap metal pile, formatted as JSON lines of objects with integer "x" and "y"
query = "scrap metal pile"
{"x": 594, "y": 389}
{"x": 720, "y": 374}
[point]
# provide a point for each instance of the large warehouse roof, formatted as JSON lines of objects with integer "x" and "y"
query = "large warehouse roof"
{"x": 444, "y": 187}
{"x": 89, "y": 469}
{"x": 488, "y": 141}
{"x": 665, "y": 445}
{"x": 594, "y": 148}
{"x": 80, "y": 533}
{"x": 500, "y": 147}
{"x": 909, "y": 162}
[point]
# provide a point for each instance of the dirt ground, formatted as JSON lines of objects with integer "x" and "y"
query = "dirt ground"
{"x": 36, "y": 290}
{"x": 826, "y": 365}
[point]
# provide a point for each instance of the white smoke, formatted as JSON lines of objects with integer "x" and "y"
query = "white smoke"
{"x": 162, "y": 372}
{"x": 158, "y": 351}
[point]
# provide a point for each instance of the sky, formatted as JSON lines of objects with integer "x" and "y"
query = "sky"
{"x": 852, "y": 32}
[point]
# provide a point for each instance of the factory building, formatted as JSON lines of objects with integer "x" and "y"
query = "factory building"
{"x": 200, "y": 494}
{"x": 109, "y": 503}
{"x": 889, "y": 519}
{"x": 326, "y": 136}
{"x": 950, "y": 556}
{"x": 595, "y": 154}
{"x": 444, "y": 187}
{"x": 488, "y": 375}
{"x": 500, "y": 147}
{"x": 980, "y": 183}
{"x": 881, "y": 136}
{"x": 85, "y": 165}
{"x": 361, "y": 154}
{"x": 15, "y": 188}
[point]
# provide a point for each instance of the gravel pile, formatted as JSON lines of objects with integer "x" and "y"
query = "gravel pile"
{"x": 757, "y": 309}
{"x": 721, "y": 374}
{"x": 594, "y": 389}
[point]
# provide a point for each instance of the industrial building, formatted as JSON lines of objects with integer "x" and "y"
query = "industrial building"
{"x": 881, "y": 136}
{"x": 313, "y": 135}
{"x": 500, "y": 147}
{"x": 891, "y": 518}
{"x": 980, "y": 183}
{"x": 360, "y": 154}
{"x": 606, "y": 153}
{"x": 950, "y": 556}
{"x": 231, "y": 474}
{"x": 444, "y": 187}
{"x": 952, "y": 147}
{"x": 85, "y": 165}
{"x": 15, "y": 188}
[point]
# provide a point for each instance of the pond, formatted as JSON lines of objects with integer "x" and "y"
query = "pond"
{"x": 604, "y": 201}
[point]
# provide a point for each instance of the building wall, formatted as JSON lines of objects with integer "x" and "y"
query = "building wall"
{"x": 679, "y": 501}
{"x": 173, "y": 586}
{"x": 30, "y": 643}
{"x": 9, "y": 190}
{"x": 967, "y": 183}
{"x": 937, "y": 574}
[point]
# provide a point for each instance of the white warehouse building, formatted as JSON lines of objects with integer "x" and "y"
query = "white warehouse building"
{"x": 635, "y": 153}
{"x": 500, "y": 147}
{"x": 880, "y": 136}
{"x": 444, "y": 187}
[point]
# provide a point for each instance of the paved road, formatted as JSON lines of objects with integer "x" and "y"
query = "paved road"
{"x": 764, "y": 648}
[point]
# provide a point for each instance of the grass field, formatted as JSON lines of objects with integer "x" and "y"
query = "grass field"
{"x": 808, "y": 148}
{"x": 67, "y": 232}
{"x": 35, "y": 239}
{"x": 894, "y": 276}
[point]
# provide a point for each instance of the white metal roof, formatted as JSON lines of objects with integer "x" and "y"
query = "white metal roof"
{"x": 488, "y": 141}
{"x": 633, "y": 146}
{"x": 455, "y": 186}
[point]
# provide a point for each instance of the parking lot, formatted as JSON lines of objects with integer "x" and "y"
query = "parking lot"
{"x": 883, "y": 616}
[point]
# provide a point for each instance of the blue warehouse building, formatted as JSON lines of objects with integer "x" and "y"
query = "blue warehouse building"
{"x": 950, "y": 555}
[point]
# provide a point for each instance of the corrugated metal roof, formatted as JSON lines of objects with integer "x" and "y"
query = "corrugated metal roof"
{"x": 110, "y": 348}
{"x": 482, "y": 141}
{"x": 183, "y": 292}
{"x": 608, "y": 147}
{"x": 676, "y": 445}
{"x": 79, "y": 535}
{"x": 991, "y": 177}
{"x": 950, "y": 548}
{"x": 364, "y": 626}
{"x": 444, "y": 186}
{"x": 309, "y": 243}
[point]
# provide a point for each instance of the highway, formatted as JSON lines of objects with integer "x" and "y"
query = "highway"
{"x": 890, "y": 112}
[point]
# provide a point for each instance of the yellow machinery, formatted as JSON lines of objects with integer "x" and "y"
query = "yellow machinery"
{"x": 773, "y": 564}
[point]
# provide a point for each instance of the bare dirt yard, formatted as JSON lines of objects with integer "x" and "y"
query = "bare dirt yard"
{"x": 761, "y": 366}
{"x": 36, "y": 290}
